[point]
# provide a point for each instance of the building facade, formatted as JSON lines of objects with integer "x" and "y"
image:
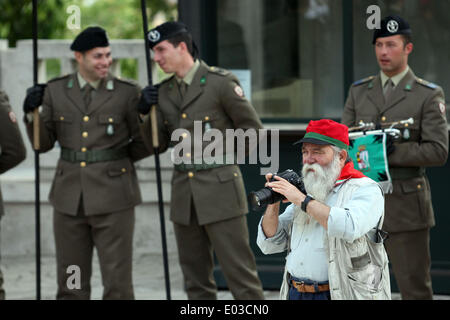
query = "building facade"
{"x": 297, "y": 59}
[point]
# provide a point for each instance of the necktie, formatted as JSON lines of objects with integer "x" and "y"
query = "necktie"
{"x": 183, "y": 89}
{"x": 388, "y": 89}
{"x": 87, "y": 94}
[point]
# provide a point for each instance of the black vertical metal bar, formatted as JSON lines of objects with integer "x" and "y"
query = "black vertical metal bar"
{"x": 347, "y": 41}
{"x": 36, "y": 163}
{"x": 209, "y": 35}
{"x": 157, "y": 163}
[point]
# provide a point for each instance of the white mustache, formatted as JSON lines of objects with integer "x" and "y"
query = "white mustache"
{"x": 318, "y": 169}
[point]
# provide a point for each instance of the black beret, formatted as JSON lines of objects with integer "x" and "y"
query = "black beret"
{"x": 165, "y": 31}
{"x": 89, "y": 38}
{"x": 390, "y": 26}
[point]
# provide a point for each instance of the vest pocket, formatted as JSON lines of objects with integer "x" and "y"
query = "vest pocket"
{"x": 366, "y": 281}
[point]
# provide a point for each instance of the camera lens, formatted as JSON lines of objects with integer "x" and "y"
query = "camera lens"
{"x": 261, "y": 198}
{"x": 254, "y": 200}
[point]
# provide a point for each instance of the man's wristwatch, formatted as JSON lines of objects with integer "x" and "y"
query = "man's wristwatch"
{"x": 306, "y": 201}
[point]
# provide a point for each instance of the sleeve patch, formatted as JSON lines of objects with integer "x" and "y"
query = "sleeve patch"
{"x": 442, "y": 107}
{"x": 12, "y": 117}
{"x": 238, "y": 90}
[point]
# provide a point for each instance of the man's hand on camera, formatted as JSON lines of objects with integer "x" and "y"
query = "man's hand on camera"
{"x": 149, "y": 97}
{"x": 291, "y": 193}
{"x": 268, "y": 177}
{"x": 34, "y": 97}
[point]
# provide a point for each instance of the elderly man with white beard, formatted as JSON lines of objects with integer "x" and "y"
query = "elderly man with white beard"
{"x": 333, "y": 233}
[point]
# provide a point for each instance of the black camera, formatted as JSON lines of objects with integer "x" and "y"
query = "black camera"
{"x": 265, "y": 196}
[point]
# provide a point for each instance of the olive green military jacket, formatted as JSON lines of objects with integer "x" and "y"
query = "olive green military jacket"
{"x": 12, "y": 148}
{"x": 216, "y": 101}
{"x": 109, "y": 122}
{"x": 423, "y": 144}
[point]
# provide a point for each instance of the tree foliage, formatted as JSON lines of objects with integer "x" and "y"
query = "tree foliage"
{"x": 121, "y": 18}
{"x": 16, "y": 19}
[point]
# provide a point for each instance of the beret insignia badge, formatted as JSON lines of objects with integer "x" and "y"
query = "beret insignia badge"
{"x": 154, "y": 35}
{"x": 392, "y": 26}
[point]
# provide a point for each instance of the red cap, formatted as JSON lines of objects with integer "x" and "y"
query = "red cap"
{"x": 326, "y": 131}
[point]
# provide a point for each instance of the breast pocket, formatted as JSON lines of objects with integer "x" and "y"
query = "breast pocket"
{"x": 63, "y": 126}
{"x": 171, "y": 122}
{"x": 210, "y": 119}
{"x": 110, "y": 122}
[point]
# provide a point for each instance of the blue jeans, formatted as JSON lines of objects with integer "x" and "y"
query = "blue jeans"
{"x": 295, "y": 295}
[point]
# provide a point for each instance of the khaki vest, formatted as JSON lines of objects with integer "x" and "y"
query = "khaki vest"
{"x": 357, "y": 270}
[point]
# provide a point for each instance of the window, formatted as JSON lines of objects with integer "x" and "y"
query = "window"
{"x": 293, "y": 50}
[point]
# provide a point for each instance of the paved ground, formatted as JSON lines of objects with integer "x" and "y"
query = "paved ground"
{"x": 19, "y": 273}
{"x": 148, "y": 277}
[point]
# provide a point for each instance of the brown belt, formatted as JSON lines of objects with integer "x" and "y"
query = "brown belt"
{"x": 302, "y": 287}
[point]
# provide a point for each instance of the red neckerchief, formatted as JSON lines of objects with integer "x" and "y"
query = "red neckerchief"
{"x": 349, "y": 172}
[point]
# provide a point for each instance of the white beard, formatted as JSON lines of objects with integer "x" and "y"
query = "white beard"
{"x": 320, "y": 182}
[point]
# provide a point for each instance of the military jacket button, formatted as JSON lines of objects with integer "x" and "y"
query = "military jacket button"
{"x": 82, "y": 164}
{"x": 85, "y": 134}
{"x": 190, "y": 174}
{"x": 85, "y": 118}
{"x": 383, "y": 118}
{"x": 84, "y": 149}
{"x": 184, "y": 115}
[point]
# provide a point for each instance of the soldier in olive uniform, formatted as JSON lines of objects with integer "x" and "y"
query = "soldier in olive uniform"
{"x": 12, "y": 150}
{"x": 397, "y": 94}
{"x": 208, "y": 203}
{"x": 95, "y": 189}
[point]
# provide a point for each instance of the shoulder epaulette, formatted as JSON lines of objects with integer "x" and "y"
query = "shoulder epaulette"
{"x": 130, "y": 82}
{"x": 59, "y": 78}
{"x": 219, "y": 71}
{"x": 165, "y": 79}
{"x": 365, "y": 80}
{"x": 426, "y": 83}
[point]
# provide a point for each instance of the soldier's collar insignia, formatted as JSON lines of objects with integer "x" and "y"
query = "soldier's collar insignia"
{"x": 408, "y": 87}
{"x": 110, "y": 85}
{"x": 203, "y": 80}
{"x": 370, "y": 86}
{"x": 70, "y": 84}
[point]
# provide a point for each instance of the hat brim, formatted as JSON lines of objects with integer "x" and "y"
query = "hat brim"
{"x": 313, "y": 141}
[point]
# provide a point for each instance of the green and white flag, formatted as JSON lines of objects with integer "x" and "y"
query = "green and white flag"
{"x": 369, "y": 156}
